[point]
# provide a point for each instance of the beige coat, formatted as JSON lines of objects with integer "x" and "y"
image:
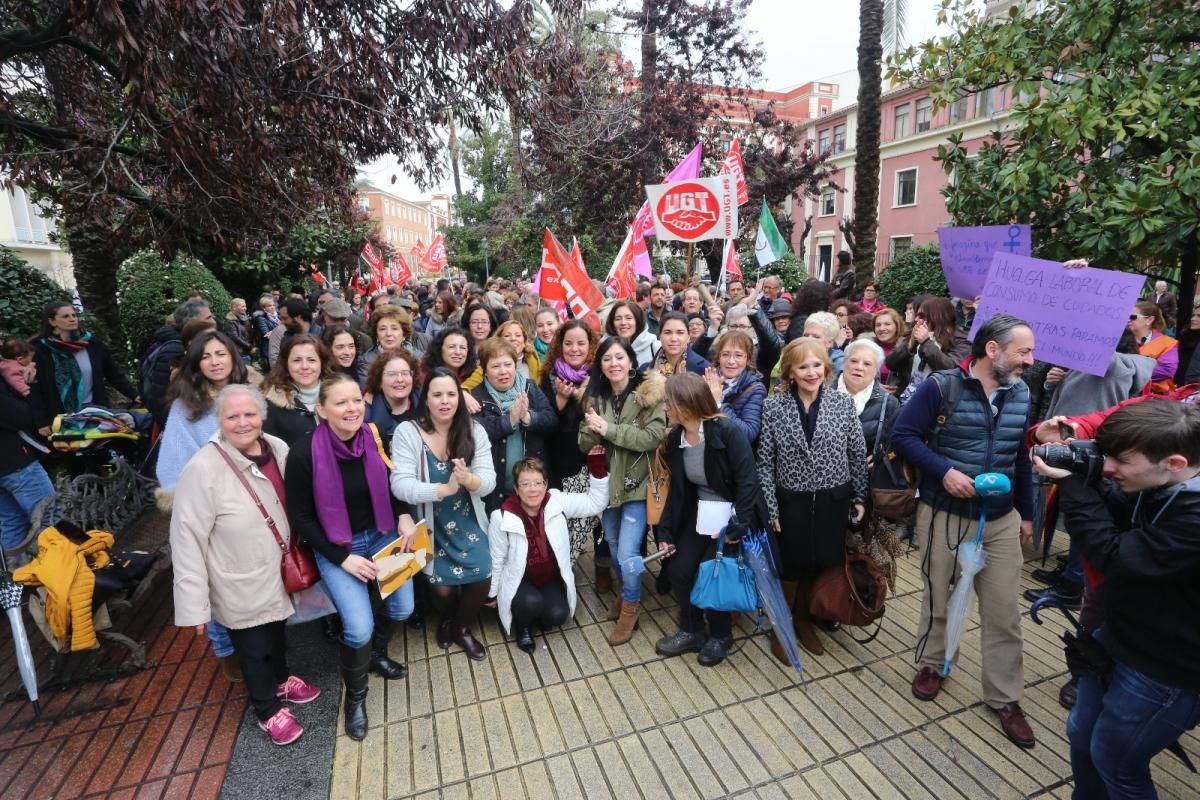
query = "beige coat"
{"x": 226, "y": 560}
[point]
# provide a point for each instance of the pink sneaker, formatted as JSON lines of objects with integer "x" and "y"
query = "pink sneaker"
{"x": 282, "y": 728}
{"x": 295, "y": 690}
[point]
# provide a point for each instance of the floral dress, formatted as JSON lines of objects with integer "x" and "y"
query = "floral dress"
{"x": 460, "y": 546}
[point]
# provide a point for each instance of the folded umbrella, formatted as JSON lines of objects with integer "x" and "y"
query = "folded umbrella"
{"x": 757, "y": 553}
{"x": 10, "y": 599}
{"x": 632, "y": 568}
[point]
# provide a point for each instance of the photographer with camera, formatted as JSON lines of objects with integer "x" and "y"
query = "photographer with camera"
{"x": 1141, "y": 529}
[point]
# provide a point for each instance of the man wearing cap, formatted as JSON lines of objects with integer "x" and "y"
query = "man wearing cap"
{"x": 338, "y": 312}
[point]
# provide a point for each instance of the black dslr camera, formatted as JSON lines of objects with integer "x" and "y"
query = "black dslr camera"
{"x": 1080, "y": 456}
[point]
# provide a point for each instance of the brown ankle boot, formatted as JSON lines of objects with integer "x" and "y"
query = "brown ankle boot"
{"x": 614, "y": 609}
{"x": 603, "y": 579}
{"x": 778, "y": 651}
{"x": 622, "y": 632}
{"x": 802, "y": 622}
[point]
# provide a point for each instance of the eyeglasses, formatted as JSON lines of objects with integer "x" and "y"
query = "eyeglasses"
{"x": 733, "y": 355}
{"x": 393, "y": 374}
{"x": 530, "y": 485}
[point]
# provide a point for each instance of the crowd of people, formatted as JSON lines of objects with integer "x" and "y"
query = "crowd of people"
{"x": 524, "y": 438}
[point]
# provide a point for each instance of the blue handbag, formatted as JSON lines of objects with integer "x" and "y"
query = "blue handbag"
{"x": 725, "y": 584}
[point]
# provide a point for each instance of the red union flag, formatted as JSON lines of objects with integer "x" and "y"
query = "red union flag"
{"x": 695, "y": 210}
{"x": 417, "y": 252}
{"x": 435, "y": 258}
{"x": 732, "y": 165}
{"x": 548, "y": 284}
{"x": 399, "y": 270}
{"x": 583, "y": 297}
{"x": 374, "y": 262}
{"x": 623, "y": 280}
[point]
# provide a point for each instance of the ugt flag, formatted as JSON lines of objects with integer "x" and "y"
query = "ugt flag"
{"x": 732, "y": 165}
{"x": 374, "y": 262}
{"x": 435, "y": 257}
{"x": 695, "y": 210}
{"x": 769, "y": 245}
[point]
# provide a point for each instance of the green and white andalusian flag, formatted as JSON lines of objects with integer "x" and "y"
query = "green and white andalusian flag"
{"x": 769, "y": 246}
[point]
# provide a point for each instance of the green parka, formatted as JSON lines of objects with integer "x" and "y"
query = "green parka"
{"x": 631, "y": 438}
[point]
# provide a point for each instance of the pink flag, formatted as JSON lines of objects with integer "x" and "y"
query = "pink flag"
{"x": 643, "y": 222}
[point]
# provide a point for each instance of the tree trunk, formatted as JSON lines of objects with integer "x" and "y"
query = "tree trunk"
{"x": 95, "y": 257}
{"x": 649, "y": 78}
{"x": 866, "y": 158}
{"x": 452, "y": 146}
{"x": 1189, "y": 264}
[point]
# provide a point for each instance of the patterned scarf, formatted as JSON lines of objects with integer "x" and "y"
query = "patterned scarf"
{"x": 662, "y": 365}
{"x": 68, "y": 379}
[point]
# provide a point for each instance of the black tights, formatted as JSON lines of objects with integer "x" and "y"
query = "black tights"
{"x": 546, "y": 605}
{"x": 471, "y": 597}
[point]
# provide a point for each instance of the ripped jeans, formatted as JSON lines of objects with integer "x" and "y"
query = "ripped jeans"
{"x": 625, "y": 532}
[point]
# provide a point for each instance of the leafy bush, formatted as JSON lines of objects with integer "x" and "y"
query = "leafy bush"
{"x": 913, "y": 272}
{"x": 24, "y": 291}
{"x": 149, "y": 289}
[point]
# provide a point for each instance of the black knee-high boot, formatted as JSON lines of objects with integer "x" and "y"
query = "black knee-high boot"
{"x": 391, "y": 670}
{"x": 355, "y": 662}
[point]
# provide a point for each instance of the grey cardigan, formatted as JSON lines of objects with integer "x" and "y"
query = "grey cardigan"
{"x": 410, "y": 478}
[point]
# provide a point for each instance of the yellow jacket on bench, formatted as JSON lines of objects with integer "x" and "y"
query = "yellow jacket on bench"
{"x": 65, "y": 569}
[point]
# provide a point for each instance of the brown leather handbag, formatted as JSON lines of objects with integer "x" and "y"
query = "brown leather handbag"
{"x": 853, "y": 593}
{"x": 658, "y": 484}
{"x": 297, "y": 566}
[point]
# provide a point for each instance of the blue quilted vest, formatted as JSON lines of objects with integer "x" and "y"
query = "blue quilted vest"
{"x": 974, "y": 442}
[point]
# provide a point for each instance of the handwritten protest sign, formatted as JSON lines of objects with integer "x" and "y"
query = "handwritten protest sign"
{"x": 1077, "y": 315}
{"x": 967, "y": 253}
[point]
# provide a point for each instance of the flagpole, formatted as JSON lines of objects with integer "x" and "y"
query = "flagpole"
{"x": 687, "y": 268}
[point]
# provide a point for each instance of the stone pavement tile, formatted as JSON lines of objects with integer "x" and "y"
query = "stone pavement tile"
{"x": 757, "y": 667}
{"x": 850, "y": 784}
{"x": 857, "y": 709}
{"x": 396, "y": 698}
{"x": 453, "y": 678}
{"x": 450, "y": 750}
{"x": 484, "y": 678}
{"x": 962, "y": 758}
{"x": 778, "y": 738}
{"x": 531, "y": 673}
{"x": 823, "y": 786}
{"x": 643, "y": 768}
{"x": 399, "y": 764}
{"x": 726, "y": 732}
{"x": 666, "y": 761}
{"x": 198, "y": 738}
{"x": 520, "y": 727}
{"x": 760, "y": 743}
{"x": 843, "y": 720}
{"x": 424, "y": 758}
{"x": 483, "y": 788}
{"x": 507, "y": 682}
{"x": 495, "y": 728}
{"x": 610, "y": 706}
{"x": 569, "y": 724}
{"x": 653, "y": 695}
{"x": 597, "y": 639}
{"x": 554, "y": 644}
{"x": 631, "y": 700}
{"x": 591, "y": 776}
{"x": 545, "y": 723}
{"x": 805, "y": 723}
{"x": 616, "y": 771}
{"x": 1045, "y": 764}
{"x": 659, "y": 674}
{"x": 343, "y": 782}
{"x": 699, "y": 769}
{"x": 925, "y": 773}
{"x": 372, "y": 776}
{"x": 881, "y": 761}
{"x": 420, "y": 691}
{"x": 724, "y": 765}
{"x": 456, "y": 791}
{"x": 686, "y": 675}
{"x": 1000, "y": 759}
{"x": 179, "y": 786}
{"x": 582, "y": 651}
{"x": 562, "y": 778}
{"x": 474, "y": 740}
{"x": 869, "y": 775}
{"x": 858, "y": 685}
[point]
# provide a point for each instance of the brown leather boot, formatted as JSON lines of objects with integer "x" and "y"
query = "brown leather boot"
{"x": 603, "y": 578}
{"x": 622, "y": 632}
{"x": 802, "y": 622}
{"x": 778, "y": 651}
{"x": 614, "y": 609}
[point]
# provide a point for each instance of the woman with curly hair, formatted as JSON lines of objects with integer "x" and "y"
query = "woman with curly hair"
{"x": 292, "y": 386}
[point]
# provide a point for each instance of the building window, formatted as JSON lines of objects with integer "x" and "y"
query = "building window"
{"x": 30, "y": 223}
{"x": 824, "y": 261}
{"x": 828, "y": 201}
{"x": 985, "y": 103}
{"x": 364, "y": 203}
{"x": 924, "y": 115}
{"x": 899, "y": 245}
{"x": 958, "y": 109}
{"x": 839, "y": 138}
{"x": 906, "y": 187}
{"x": 823, "y": 142}
{"x": 901, "y": 121}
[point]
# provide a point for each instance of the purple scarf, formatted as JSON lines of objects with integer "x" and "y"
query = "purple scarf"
{"x": 566, "y": 372}
{"x": 329, "y": 496}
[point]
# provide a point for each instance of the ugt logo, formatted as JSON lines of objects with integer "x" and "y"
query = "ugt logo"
{"x": 688, "y": 210}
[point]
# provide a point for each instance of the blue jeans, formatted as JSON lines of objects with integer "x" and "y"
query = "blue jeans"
{"x": 1115, "y": 733}
{"x": 351, "y": 596}
{"x": 625, "y": 530}
{"x": 20, "y": 492}
{"x": 218, "y": 637}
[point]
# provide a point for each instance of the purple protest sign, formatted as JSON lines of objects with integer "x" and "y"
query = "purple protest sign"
{"x": 967, "y": 253}
{"x": 1077, "y": 315}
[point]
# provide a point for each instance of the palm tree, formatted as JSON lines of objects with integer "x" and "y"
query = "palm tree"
{"x": 879, "y": 22}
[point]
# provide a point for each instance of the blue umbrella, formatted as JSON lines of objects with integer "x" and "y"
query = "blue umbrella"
{"x": 971, "y": 559}
{"x": 756, "y": 550}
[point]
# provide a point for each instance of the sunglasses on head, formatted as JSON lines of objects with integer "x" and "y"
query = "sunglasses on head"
{"x": 1132, "y": 317}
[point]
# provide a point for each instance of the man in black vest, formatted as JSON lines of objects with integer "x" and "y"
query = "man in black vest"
{"x": 983, "y": 432}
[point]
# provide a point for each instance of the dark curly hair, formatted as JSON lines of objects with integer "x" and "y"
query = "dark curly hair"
{"x": 433, "y": 354}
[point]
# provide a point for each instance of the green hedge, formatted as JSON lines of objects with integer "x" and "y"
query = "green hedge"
{"x": 913, "y": 272}
{"x": 149, "y": 289}
{"x": 24, "y": 292}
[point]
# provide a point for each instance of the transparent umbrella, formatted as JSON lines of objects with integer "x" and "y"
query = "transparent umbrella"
{"x": 632, "y": 568}
{"x": 756, "y": 550}
{"x": 971, "y": 559}
{"x": 10, "y": 599}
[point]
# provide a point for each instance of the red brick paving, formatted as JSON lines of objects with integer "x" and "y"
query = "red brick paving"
{"x": 166, "y": 732}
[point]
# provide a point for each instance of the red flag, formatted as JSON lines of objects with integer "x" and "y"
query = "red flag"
{"x": 548, "y": 283}
{"x": 582, "y": 295}
{"x": 732, "y": 165}
{"x": 374, "y": 262}
{"x": 316, "y": 275}
{"x": 435, "y": 258}
{"x": 623, "y": 281}
{"x": 733, "y": 268}
{"x": 417, "y": 252}
{"x": 398, "y": 271}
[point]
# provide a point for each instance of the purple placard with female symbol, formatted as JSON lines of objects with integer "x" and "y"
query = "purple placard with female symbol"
{"x": 967, "y": 253}
{"x": 1077, "y": 315}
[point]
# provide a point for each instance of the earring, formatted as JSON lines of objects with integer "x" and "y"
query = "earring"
{"x": 632, "y": 372}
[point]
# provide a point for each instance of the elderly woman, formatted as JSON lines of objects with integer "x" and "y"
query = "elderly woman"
{"x": 889, "y": 328}
{"x": 737, "y": 389}
{"x": 627, "y": 321}
{"x": 340, "y": 503}
{"x": 386, "y": 331}
{"x": 532, "y": 579}
{"x": 229, "y": 511}
{"x": 514, "y": 413}
{"x": 1147, "y": 325}
{"x": 529, "y": 365}
{"x": 870, "y": 301}
{"x": 546, "y": 323}
{"x": 391, "y": 391}
{"x": 812, "y": 464}
{"x": 859, "y": 379}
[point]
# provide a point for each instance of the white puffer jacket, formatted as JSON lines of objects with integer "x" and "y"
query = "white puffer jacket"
{"x": 509, "y": 545}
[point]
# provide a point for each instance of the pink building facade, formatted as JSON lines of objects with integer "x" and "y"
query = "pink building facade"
{"x": 911, "y": 206}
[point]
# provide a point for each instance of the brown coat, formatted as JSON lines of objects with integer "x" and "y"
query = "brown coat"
{"x": 226, "y": 560}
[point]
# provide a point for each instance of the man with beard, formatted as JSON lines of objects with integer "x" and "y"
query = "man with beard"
{"x": 960, "y": 424}
{"x": 658, "y": 307}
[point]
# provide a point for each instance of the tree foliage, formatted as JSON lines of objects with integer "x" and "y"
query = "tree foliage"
{"x": 914, "y": 272}
{"x": 1099, "y": 154}
{"x": 24, "y": 292}
{"x": 149, "y": 289}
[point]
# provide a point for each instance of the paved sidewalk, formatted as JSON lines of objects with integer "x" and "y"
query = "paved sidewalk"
{"x": 583, "y": 719}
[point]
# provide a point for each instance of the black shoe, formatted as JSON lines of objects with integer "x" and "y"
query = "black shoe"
{"x": 1048, "y": 576}
{"x": 1070, "y": 595}
{"x": 525, "y": 640}
{"x": 331, "y": 627}
{"x": 714, "y": 652}
{"x": 1061, "y": 559}
{"x": 827, "y": 625}
{"x": 679, "y": 643}
{"x": 662, "y": 584}
{"x": 355, "y": 662}
{"x": 1067, "y": 694}
{"x": 416, "y": 621}
{"x": 391, "y": 670}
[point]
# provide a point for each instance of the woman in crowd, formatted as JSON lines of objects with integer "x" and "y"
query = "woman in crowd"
{"x": 292, "y": 386}
{"x": 889, "y": 329}
{"x": 356, "y": 305}
{"x": 934, "y": 343}
{"x": 513, "y": 412}
{"x": 480, "y": 321}
{"x": 74, "y": 366}
{"x": 676, "y": 355}
{"x": 623, "y": 412}
{"x": 711, "y": 462}
{"x": 453, "y": 349}
{"x": 736, "y": 388}
{"x": 812, "y": 296}
{"x": 387, "y": 332}
{"x": 339, "y": 340}
{"x": 859, "y": 379}
{"x": 532, "y": 579}
{"x": 545, "y": 323}
{"x": 444, "y": 314}
{"x": 415, "y": 341}
{"x": 391, "y": 391}
{"x": 697, "y": 326}
{"x": 23, "y": 480}
{"x": 823, "y": 326}
{"x": 1147, "y": 325}
{"x": 227, "y": 560}
{"x": 339, "y": 502}
{"x": 528, "y": 362}
{"x": 444, "y": 467}
{"x": 1188, "y": 341}
{"x": 843, "y": 310}
{"x": 812, "y": 464}
{"x": 566, "y": 369}
{"x": 627, "y": 320}
{"x": 266, "y": 319}
{"x": 861, "y": 325}
{"x": 870, "y": 301}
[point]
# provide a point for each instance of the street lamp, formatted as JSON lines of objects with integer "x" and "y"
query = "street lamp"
{"x": 487, "y": 272}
